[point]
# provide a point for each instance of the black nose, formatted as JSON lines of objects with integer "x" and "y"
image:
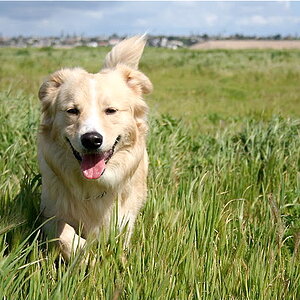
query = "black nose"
{"x": 91, "y": 140}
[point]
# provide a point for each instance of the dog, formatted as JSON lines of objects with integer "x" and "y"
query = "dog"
{"x": 92, "y": 147}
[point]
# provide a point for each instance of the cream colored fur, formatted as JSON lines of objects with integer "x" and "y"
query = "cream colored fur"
{"x": 72, "y": 202}
{"x": 129, "y": 50}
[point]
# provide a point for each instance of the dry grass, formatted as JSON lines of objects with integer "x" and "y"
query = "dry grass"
{"x": 248, "y": 44}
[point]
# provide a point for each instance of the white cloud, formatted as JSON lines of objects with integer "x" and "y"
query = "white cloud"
{"x": 285, "y": 3}
{"x": 93, "y": 14}
{"x": 93, "y": 18}
{"x": 267, "y": 20}
{"x": 211, "y": 19}
{"x": 142, "y": 22}
{"x": 257, "y": 20}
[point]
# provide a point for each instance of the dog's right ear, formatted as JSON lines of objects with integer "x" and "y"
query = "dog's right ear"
{"x": 50, "y": 87}
{"x": 48, "y": 93}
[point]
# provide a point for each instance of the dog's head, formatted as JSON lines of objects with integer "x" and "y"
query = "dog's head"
{"x": 96, "y": 115}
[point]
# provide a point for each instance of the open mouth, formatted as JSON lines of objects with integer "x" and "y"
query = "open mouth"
{"x": 93, "y": 164}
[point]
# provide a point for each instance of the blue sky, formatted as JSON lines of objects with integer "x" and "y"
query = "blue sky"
{"x": 127, "y": 18}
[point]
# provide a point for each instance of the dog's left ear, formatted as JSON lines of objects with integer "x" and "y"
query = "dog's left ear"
{"x": 125, "y": 57}
{"x": 136, "y": 80}
{"x": 128, "y": 52}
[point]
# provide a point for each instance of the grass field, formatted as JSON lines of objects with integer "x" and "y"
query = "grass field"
{"x": 222, "y": 219}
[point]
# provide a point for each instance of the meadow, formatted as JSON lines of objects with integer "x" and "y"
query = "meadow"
{"x": 222, "y": 220}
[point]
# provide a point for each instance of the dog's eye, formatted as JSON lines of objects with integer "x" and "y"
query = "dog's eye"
{"x": 73, "y": 111}
{"x": 111, "y": 111}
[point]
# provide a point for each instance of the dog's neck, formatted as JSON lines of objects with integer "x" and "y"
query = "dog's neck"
{"x": 97, "y": 197}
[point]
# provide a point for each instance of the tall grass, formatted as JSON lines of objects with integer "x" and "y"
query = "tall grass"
{"x": 221, "y": 220}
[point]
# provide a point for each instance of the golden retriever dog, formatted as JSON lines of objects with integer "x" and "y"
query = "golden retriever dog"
{"x": 91, "y": 147}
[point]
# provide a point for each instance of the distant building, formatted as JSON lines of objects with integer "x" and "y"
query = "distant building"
{"x": 171, "y": 42}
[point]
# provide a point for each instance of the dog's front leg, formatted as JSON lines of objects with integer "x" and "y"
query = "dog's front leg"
{"x": 69, "y": 242}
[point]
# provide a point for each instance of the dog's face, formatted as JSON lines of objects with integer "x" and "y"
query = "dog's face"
{"x": 94, "y": 116}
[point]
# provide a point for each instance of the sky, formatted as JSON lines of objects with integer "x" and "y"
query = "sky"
{"x": 167, "y": 18}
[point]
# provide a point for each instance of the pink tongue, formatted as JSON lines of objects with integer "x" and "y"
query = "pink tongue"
{"x": 92, "y": 165}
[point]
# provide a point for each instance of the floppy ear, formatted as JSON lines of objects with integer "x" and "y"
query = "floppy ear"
{"x": 48, "y": 93}
{"x": 128, "y": 52}
{"x": 136, "y": 80}
{"x": 50, "y": 86}
{"x": 140, "y": 84}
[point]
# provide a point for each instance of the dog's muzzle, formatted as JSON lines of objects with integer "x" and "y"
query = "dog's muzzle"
{"x": 107, "y": 154}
